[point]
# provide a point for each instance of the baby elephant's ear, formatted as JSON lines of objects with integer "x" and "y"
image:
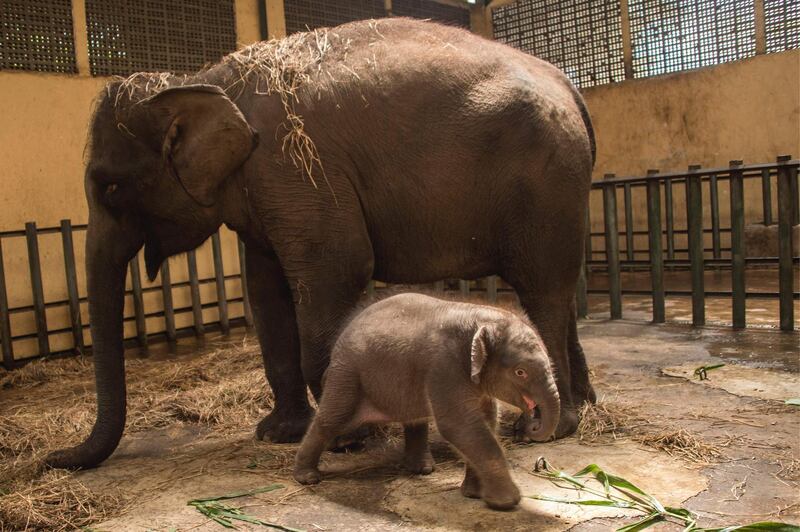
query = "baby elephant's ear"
{"x": 479, "y": 353}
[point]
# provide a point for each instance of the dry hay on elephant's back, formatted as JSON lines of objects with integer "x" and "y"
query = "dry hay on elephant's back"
{"x": 54, "y": 406}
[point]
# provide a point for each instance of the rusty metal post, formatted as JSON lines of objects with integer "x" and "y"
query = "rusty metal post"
{"x": 219, "y": 274}
{"x": 491, "y": 288}
{"x": 694, "y": 222}
{"x": 654, "y": 244}
{"x": 248, "y": 312}
{"x": 715, "y": 240}
{"x": 786, "y": 198}
{"x": 463, "y": 287}
{"x": 194, "y": 289}
{"x": 37, "y": 289}
{"x": 5, "y": 323}
{"x": 670, "y": 219}
{"x": 169, "y": 309}
{"x": 72, "y": 285}
{"x": 738, "y": 287}
{"x": 612, "y": 247}
{"x": 138, "y": 301}
{"x": 629, "y": 253}
{"x": 766, "y": 196}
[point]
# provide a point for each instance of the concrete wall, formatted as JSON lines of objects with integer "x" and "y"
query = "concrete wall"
{"x": 42, "y": 138}
{"x": 747, "y": 110}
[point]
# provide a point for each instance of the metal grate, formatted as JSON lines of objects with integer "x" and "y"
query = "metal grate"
{"x": 428, "y": 9}
{"x": 175, "y": 36}
{"x": 302, "y": 15}
{"x": 782, "y": 20}
{"x": 37, "y": 35}
{"x": 669, "y": 35}
{"x": 582, "y": 37}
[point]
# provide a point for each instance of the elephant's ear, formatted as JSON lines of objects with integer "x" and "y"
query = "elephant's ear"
{"x": 204, "y": 137}
{"x": 480, "y": 352}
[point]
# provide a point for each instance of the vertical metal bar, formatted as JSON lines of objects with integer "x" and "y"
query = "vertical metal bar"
{"x": 694, "y": 225}
{"x": 670, "y": 219}
{"x": 766, "y": 196}
{"x": 654, "y": 245}
{"x": 371, "y": 289}
{"x": 219, "y": 273}
{"x": 587, "y": 243}
{"x": 438, "y": 286}
{"x": 194, "y": 288}
{"x": 5, "y": 323}
{"x": 463, "y": 287}
{"x": 138, "y": 301}
{"x": 738, "y": 287}
{"x": 248, "y": 312}
{"x": 491, "y": 288}
{"x": 72, "y": 285}
{"x": 612, "y": 247}
{"x": 715, "y": 240}
{"x": 169, "y": 309}
{"x": 628, "y": 222}
{"x": 786, "y": 174}
{"x": 37, "y": 289}
{"x": 581, "y": 302}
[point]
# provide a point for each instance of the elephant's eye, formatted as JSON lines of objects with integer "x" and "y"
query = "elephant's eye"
{"x": 521, "y": 373}
{"x": 110, "y": 189}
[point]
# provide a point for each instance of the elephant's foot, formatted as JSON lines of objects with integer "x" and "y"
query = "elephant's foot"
{"x": 419, "y": 462}
{"x": 306, "y": 475}
{"x": 284, "y": 426}
{"x": 471, "y": 487}
{"x": 503, "y": 497}
{"x": 527, "y": 424}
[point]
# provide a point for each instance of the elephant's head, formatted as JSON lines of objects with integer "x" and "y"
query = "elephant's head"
{"x": 509, "y": 360}
{"x": 155, "y": 175}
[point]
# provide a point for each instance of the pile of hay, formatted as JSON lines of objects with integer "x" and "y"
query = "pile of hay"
{"x": 51, "y": 404}
{"x": 680, "y": 443}
{"x": 606, "y": 420}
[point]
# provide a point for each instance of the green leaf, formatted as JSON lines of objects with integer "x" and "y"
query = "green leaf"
{"x": 265, "y": 489}
{"x": 771, "y": 526}
{"x": 583, "y": 502}
{"x": 647, "y": 522}
{"x": 794, "y": 401}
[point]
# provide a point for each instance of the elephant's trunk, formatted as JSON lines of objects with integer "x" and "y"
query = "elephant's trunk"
{"x": 549, "y": 405}
{"x": 108, "y": 248}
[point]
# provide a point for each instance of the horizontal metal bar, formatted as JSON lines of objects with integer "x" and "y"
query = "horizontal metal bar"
{"x": 722, "y": 173}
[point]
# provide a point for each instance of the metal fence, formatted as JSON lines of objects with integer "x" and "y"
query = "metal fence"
{"x": 697, "y": 256}
{"x": 194, "y": 293}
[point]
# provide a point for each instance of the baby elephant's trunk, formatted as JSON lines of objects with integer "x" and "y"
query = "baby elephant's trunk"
{"x": 550, "y": 409}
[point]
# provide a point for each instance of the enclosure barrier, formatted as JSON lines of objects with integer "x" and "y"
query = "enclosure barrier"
{"x": 154, "y": 314}
{"x": 699, "y": 256}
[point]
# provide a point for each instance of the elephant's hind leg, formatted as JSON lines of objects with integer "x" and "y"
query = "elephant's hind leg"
{"x": 337, "y": 408}
{"x": 417, "y": 457}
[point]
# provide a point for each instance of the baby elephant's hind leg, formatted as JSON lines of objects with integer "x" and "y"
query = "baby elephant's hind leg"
{"x": 336, "y": 410}
{"x": 418, "y": 458}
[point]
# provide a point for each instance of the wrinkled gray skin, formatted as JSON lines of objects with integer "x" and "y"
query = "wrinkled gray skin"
{"x": 411, "y": 357}
{"x": 450, "y": 156}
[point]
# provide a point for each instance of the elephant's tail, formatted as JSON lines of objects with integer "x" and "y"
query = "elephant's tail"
{"x": 587, "y": 121}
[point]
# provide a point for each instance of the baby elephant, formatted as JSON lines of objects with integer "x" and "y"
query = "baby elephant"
{"x": 410, "y": 357}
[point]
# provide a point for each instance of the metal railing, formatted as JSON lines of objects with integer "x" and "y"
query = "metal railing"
{"x": 661, "y": 231}
{"x": 661, "y": 250}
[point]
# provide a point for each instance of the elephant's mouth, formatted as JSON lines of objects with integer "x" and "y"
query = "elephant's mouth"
{"x": 529, "y": 402}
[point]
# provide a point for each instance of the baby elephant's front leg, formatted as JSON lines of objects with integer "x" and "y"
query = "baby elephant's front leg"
{"x": 307, "y": 459}
{"x": 470, "y": 434}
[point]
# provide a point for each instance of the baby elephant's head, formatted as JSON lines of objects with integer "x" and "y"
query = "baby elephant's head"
{"x": 509, "y": 361}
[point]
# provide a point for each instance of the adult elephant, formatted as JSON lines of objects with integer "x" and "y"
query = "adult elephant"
{"x": 398, "y": 150}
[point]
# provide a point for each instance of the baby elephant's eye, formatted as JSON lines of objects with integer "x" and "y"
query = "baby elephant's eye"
{"x": 521, "y": 373}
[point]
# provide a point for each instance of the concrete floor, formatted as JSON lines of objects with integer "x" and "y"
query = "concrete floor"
{"x": 753, "y": 480}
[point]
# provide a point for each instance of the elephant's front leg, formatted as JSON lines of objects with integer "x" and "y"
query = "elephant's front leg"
{"x": 276, "y": 325}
